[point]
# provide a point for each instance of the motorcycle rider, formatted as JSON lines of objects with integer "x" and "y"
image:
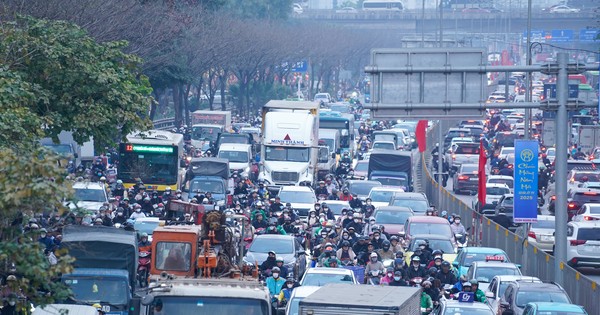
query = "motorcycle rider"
{"x": 144, "y": 240}
{"x": 423, "y": 251}
{"x": 240, "y": 189}
{"x": 355, "y": 202}
{"x": 138, "y": 212}
{"x": 398, "y": 280}
{"x": 286, "y": 292}
{"x": 445, "y": 274}
{"x": 415, "y": 270}
{"x": 283, "y": 269}
{"x": 388, "y": 277}
{"x": 119, "y": 218}
{"x": 356, "y": 222}
{"x": 321, "y": 190}
{"x": 395, "y": 245}
{"x": 479, "y": 295}
{"x": 269, "y": 263}
{"x": 426, "y": 302}
{"x": 119, "y": 189}
{"x": 288, "y": 227}
{"x": 274, "y": 284}
{"x": 385, "y": 252}
{"x": 373, "y": 264}
{"x": 167, "y": 196}
{"x": 438, "y": 258}
{"x": 345, "y": 254}
{"x": 346, "y": 196}
{"x": 458, "y": 228}
{"x": 327, "y": 211}
{"x": 275, "y": 207}
{"x": 259, "y": 221}
{"x": 368, "y": 207}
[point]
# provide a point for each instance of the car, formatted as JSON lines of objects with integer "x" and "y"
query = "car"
{"x": 469, "y": 255}
{"x": 594, "y": 156}
{"x": 392, "y": 218}
{"x": 320, "y": 276}
{"x": 551, "y": 308}
{"x": 323, "y": 97}
{"x": 302, "y": 198}
{"x": 577, "y": 177}
{"x": 89, "y": 195}
{"x": 447, "y": 307}
{"x": 285, "y": 246}
{"x": 146, "y": 225}
{"x": 454, "y": 133}
{"x": 298, "y": 294}
{"x": 297, "y": 8}
{"x": 361, "y": 169}
{"x": 505, "y": 207}
{"x": 436, "y": 241}
{"x": 361, "y": 188}
{"x": 466, "y": 179}
{"x": 476, "y": 131}
{"x": 592, "y": 185}
{"x": 498, "y": 286}
{"x": 588, "y": 212}
{"x": 502, "y": 179}
{"x": 541, "y": 233}
{"x": 493, "y": 194}
{"x": 519, "y": 293}
{"x": 583, "y": 248}
{"x": 507, "y": 150}
{"x": 427, "y": 225}
{"x": 381, "y": 196}
{"x": 505, "y": 139}
{"x": 475, "y": 10}
{"x": 485, "y": 271}
{"x": 471, "y": 122}
{"x": 563, "y": 9}
{"x": 463, "y": 153}
{"x": 576, "y": 198}
{"x": 461, "y": 140}
{"x": 416, "y": 201}
{"x": 336, "y": 206}
{"x": 346, "y": 10}
{"x": 383, "y": 145}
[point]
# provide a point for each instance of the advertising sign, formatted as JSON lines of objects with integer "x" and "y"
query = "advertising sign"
{"x": 526, "y": 181}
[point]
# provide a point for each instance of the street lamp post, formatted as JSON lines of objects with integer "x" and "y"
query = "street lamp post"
{"x": 528, "y": 91}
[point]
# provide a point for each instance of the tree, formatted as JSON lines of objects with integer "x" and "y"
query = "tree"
{"x": 69, "y": 82}
{"x": 28, "y": 186}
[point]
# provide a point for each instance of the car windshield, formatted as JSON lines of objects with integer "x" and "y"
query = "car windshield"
{"x": 498, "y": 191}
{"x": 321, "y": 279}
{"x": 587, "y": 197}
{"x": 470, "y": 311}
{"x": 391, "y": 181}
{"x": 443, "y": 245}
{"x": 205, "y": 133}
{"x": 233, "y": 139}
{"x": 215, "y": 187}
{"x": 508, "y": 182}
{"x": 145, "y": 226}
{"x": 486, "y": 274}
{"x": 467, "y": 149}
{"x": 212, "y": 305}
{"x": 336, "y": 208}
{"x": 471, "y": 257}
{"x": 430, "y": 228}
{"x": 361, "y": 167}
{"x": 91, "y": 290}
{"x": 524, "y": 297}
{"x": 60, "y": 149}
{"x": 94, "y": 195}
{"x": 363, "y": 188}
{"x": 543, "y": 224}
{"x": 381, "y": 195}
{"x": 384, "y": 145}
{"x": 297, "y": 197}
{"x": 507, "y": 139}
{"x": 234, "y": 156}
{"x": 418, "y": 206}
{"x": 589, "y": 234}
{"x": 594, "y": 209}
{"x": 265, "y": 245}
{"x": 287, "y": 154}
{"x": 468, "y": 168}
{"x": 586, "y": 177}
{"x": 341, "y": 108}
{"x": 392, "y": 217}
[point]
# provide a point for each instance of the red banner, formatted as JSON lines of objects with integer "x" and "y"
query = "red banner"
{"x": 481, "y": 174}
{"x": 420, "y": 135}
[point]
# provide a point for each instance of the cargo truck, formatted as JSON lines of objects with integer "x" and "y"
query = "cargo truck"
{"x": 212, "y": 117}
{"x": 343, "y": 299}
{"x": 289, "y": 152}
{"x": 589, "y": 138}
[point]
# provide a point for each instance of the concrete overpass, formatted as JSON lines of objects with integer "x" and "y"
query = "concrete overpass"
{"x": 453, "y": 21}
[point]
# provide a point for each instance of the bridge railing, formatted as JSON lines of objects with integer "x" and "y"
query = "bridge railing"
{"x": 164, "y": 124}
{"x": 485, "y": 232}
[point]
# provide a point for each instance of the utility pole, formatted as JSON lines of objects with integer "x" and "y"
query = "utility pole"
{"x": 528, "y": 91}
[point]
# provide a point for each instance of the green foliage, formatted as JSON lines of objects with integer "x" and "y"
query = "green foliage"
{"x": 70, "y": 82}
{"x": 27, "y": 186}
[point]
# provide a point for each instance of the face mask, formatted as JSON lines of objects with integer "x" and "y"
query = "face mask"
{"x": 43, "y": 235}
{"x": 178, "y": 195}
{"x": 12, "y": 303}
{"x": 422, "y": 247}
{"x": 368, "y": 203}
{"x": 168, "y": 193}
{"x": 373, "y": 259}
{"x": 290, "y": 285}
{"x": 376, "y": 237}
{"x": 345, "y": 236}
{"x": 120, "y": 214}
{"x": 356, "y": 220}
{"x": 397, "y": 278}
{"x": 457, "y": 221}
{"x": 389, "y": 275}
{"x": 138, "y": 210}
{"x": 275, "y": 275}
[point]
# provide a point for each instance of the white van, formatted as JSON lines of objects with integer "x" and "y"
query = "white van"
{"x": 299, "y": 293}
{"x": 57, "y": 309}
{"x": 239, "y": 156}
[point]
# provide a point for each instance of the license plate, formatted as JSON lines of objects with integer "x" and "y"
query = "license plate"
{"x": 473, "y": 179}
{"x": 593, "y": 248}
{"x": 547, "y": 238}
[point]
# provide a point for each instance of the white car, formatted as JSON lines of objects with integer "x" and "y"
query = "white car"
{"x": 298, "y": 8}
{"x": 381, "y": 196}
{"x": 588, "y": 212}
{"x": 337, "y": 206}
{"x": 320, "y": 276}
{"x": 501, "y": 179}
{"x": 322, "y": 97}
{"x": 563, "y": 9}
{"x": 302, "y": 198}
{"x": 493, "y": 192}
{"x": 299, "y": 293}
{"x": 541, "y": 233}
{"x": 507, "y": 150}
{"x": 551, "y": 154}
{"x": 583, "y": 247}
{"x": 89, "y": 195}
{"x": 146, "y": 225}
{"x": 499, "y": 284}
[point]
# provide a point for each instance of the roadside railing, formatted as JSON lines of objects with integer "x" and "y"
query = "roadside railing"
{"x": 485, "y": 232}
{"x": 164, "y": 124}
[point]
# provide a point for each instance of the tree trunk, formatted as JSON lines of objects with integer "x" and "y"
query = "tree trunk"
{"x": 155, "y": 103}
{"x": 186, "y": 103}
{"x": 177, "y": 104}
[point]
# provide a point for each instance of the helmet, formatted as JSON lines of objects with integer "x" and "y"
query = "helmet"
{"x": 102, "y": 179}
{"x": 290, "y": 279}
{"x": 144, "y": 234}
{"x": 386, "y": 243}
{"x": 168, "y": 188}
{"x": 474, "y": 282}
{"x": 278, "y": 259}
{"x": 421, "y": 243}
{"x": 374, "y": 255}
{"x": 457, "y": 217}
{"x": 415, "y": 258}
{"x": 275, "y": 269}
{"x": 445, "y": 264}
{"x": 466, "y": 284}
{"x": 259, "y": 204}
{"x": 437, "y": 252}
{"x": 345, "y": 243}
{"x": 432, "y": 270}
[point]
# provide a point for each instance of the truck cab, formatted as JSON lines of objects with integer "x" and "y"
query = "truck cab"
{"x": 208, "y": 175}
{"x": 238, "y": 155}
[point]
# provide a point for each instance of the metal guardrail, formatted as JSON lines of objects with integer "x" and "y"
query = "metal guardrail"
{"x": 417, "y": 15}
{"x": 485, "y": 232}
{"x": 164, "y": 124}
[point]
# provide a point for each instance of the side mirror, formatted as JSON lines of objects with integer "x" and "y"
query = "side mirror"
{"x": 402, "y": 234}
{"x": 333, "y": 155}
{"x": 75, "y": 155}
{"x": 489, "y": 295}
{"x": 455, "y": 264}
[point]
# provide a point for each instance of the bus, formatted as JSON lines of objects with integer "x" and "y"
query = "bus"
{"x": 153, "y": 157}
{"x": 342, "y": 122}
{"x": 381, "y": 5}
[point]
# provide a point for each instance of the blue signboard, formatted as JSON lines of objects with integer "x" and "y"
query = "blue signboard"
{"x": 588, "y": 35}
{"x": 466, "y": 297}
{"x": 550, "y": 91}
{"x": 526, "y": 181}
{"x": 300, "y": 66}
{"x": 562, "y": 35}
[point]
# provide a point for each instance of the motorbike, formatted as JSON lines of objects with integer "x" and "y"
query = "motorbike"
{"x": 243, "y": 199}
{"x": 447, "y": 292}
{"x": 374, "y": 277}
{"x": 416, "y": 281}
{"x": 144, "y": 259}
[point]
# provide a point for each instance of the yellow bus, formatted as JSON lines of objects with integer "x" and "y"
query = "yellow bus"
{"x": 153, "y": 157}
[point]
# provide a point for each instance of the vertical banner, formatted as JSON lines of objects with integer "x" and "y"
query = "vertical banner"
{"x": 481, "y": 192}
{"x": 421, "y": 135}
{"x": 526, "y": 181}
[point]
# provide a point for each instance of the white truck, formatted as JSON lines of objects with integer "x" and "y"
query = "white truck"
{"x": 212, "y": 117}
{"x": 289, "y": 152}
{"x": 589, "y": 138}
{"x": 342, "y": 299}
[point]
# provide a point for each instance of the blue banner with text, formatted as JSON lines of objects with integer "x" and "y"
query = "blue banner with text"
{"x": 526, "y": 181}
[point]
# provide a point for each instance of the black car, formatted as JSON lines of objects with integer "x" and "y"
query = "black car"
{"x": 504, "y": 211}
{"x": 466, "y": 179}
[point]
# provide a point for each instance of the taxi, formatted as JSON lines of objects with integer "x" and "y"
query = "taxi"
{"x": 435, "y": 241}
{"x": 468, "y": 255}
{"x": 465, "y": 304}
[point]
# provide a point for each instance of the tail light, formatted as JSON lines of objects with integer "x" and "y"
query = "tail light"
{"x": 572, "y": 205}
{"x": 463, "y": 177}
{"x": 553, "y": 198}
{"x": 577, "y": 242}
{"x": 453, "y": 156}
{"x": 586, "y": 218}
{"x": 532, "y": 235}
